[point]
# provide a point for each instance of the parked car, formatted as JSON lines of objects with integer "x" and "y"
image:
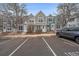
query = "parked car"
{"x": 72, "y": 33}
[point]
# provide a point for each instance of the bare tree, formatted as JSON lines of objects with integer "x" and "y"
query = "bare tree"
{"x": 66, "y": 10}
{"x": 15, "y": 12}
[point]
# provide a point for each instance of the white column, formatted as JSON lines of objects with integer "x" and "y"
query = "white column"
{"x": 25, "y": 28}
{"x": 44, "y": 29}
{"x": 4, "y": 30}
{"x": 13, "y": 29}
{"x": 34, "y": 28}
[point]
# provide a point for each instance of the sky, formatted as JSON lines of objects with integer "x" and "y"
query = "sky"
{"x": 46, "y": 8}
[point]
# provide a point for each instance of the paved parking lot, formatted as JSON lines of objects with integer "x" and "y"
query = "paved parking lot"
{"x": 38, "y": 46}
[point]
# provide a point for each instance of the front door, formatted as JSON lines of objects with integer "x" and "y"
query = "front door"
{"x": 39, "y": 29}
{"x": 30, "y": 28}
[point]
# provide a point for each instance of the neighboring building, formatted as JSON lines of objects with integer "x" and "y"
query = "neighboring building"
{"x": 1, "y": 23}
{"x": 51, "y": 23}
{"x": 59, "y": 22}
{"x": 7, "y": 24}
{"x": 38, "y": 23}
{"x": 73, "y": 22}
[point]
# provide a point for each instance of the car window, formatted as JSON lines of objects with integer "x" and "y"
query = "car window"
{"x": 70, "y": 29}
{"x": 75, "y": 29}
{"x": 64, "y": 29}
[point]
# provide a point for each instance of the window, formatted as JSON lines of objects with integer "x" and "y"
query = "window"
{"x": 20, "y": 27}
{"x": 31, "y": 21}
{"x": 9, "y": 28}
{"x": 71, "y": 29}
{"x": 74, "y": 29}
{"x": 50, "y": 19}
{"x": 40, "y": 19}
{"x": 64, "y": 29}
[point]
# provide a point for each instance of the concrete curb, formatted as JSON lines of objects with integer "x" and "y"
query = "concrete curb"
{"x": 37, "y": 35}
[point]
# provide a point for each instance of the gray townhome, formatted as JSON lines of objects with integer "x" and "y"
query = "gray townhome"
{"x": 38, "y": 23}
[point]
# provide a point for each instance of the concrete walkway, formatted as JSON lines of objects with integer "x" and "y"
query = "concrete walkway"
{"x": 30, "y": 35}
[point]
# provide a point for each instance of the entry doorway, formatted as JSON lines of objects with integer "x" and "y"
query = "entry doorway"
{"x": 30, "y": 28}
{"x": 39, "y": 29}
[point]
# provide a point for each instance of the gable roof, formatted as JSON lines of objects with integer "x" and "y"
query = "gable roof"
{"x": 31, "y": 15}
{"x": 50, "y": 15}
{"x": 40, "y": 13}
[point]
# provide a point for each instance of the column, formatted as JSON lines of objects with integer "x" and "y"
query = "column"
{"x": 25, "y": 28}
{"x": 34, "y": 28}
{"x": 44, "y": 28}
{"x": 4, "y": 29}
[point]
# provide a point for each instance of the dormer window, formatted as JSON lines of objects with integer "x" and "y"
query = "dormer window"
{"x": 40, "y": 19}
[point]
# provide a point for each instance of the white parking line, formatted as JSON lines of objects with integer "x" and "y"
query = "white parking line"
{"x": 49, "y": 47}
{"x": 76, "y": 53}
{"x": 70, "y": 42}
{"x": 67, "y": 54}
{"x": 18, "y": 47}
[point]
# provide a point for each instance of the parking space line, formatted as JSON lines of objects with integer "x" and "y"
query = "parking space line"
{"x": 67, "y": 54}
{"x": 18, "y": 47}
{"x": 71, "y": 54}
{"x": 70, "y": 42}
{"x": 49, "y": 47}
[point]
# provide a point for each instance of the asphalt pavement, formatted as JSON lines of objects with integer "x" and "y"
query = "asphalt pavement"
{"x": 38, "y": 46}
